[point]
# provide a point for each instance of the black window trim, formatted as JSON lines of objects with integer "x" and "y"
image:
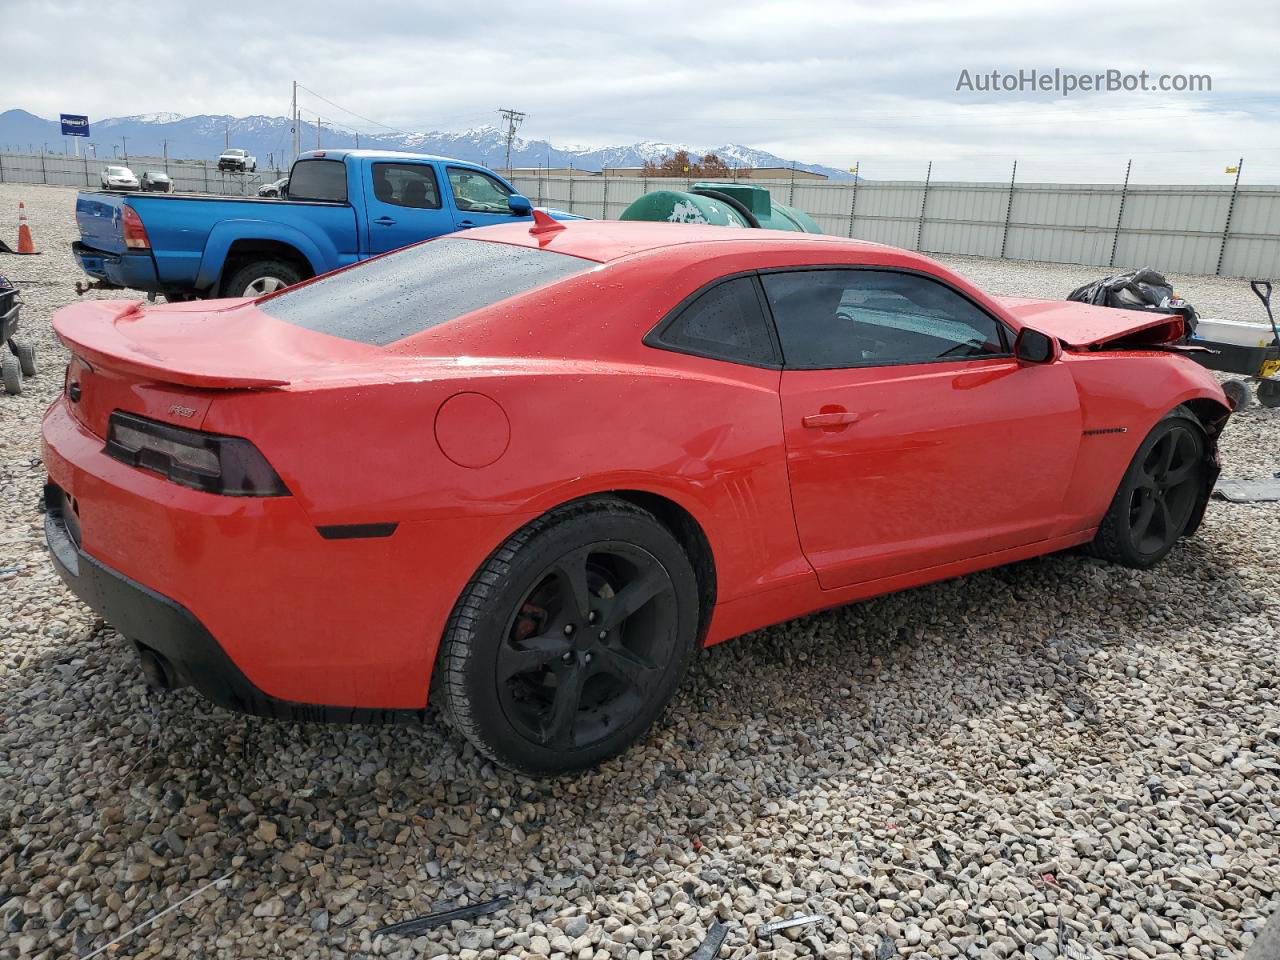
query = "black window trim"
{"x": 1006, "y": 335}
{"x": 654, "y": 338}
{"x": 431, "y": 167}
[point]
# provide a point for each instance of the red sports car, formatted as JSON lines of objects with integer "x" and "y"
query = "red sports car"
{"x": 528, "y": 470}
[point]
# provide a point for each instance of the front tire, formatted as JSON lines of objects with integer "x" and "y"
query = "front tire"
{"x": 1158, "y": 496}
{"x": 571, "y": 639}
{"x": 259, "y": 278}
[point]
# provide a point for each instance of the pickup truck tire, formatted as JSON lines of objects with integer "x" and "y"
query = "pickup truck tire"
{"x": 259, "y": 278}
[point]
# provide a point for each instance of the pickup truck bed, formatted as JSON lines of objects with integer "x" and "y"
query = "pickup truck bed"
{"x": 344, "y": 206}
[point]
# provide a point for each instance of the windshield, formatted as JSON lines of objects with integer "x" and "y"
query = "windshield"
{"x": 117, "y": 172}
{"x": 389, "y": 298}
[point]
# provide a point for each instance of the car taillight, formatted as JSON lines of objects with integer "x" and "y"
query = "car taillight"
{"x": 135, "y": 234}
{"x": 231, "y": 466}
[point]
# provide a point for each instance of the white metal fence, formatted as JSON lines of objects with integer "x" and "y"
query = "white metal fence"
{"x": 1178, "y": 229}
{"x": 1232, "y": 231}
{"x": 188, "y": 176}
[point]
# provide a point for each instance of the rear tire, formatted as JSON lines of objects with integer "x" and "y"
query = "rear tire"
{"x": 1158, "y": 496}
{"x": 26, "y": 354}
{"x": 571, "y": 639}
{"x": 11, "y": 374}
{"x": 259, "y": 278}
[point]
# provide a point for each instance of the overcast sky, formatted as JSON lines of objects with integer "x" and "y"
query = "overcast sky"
{"x": 823, "y": 82}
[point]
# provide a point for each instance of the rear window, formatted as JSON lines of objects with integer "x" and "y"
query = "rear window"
{"x": 319, "y": 180}
{"x": 396, "y": 296}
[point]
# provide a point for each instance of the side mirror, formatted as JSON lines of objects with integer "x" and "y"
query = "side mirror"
{"x": 519, "y": 205}
{"x": 1032, "y": 346}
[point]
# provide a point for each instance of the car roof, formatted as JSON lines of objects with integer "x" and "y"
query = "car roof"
{"x": 606, "y": 240}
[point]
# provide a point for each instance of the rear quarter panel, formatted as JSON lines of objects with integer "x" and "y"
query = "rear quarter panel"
{"x": 711, "y": 443}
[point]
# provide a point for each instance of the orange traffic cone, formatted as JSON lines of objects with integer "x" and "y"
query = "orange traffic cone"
{"x": 25, "y": 244}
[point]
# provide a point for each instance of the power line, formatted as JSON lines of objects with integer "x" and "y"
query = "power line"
{"x": 514, "y": 118}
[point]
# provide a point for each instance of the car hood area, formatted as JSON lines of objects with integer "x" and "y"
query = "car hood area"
{"x": 1083, "y": 326}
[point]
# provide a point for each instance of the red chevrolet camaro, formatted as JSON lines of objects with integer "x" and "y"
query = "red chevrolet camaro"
{"x": 530, "y": 469}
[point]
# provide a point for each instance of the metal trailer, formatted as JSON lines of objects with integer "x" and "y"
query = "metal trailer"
{"x": 1253, "y": 352}
{"x": 21, "y": 360}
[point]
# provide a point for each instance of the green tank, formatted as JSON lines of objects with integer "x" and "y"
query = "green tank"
{"x": 721, "y": 204}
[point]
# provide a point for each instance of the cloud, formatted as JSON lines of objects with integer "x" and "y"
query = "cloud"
{"x": 824, "y": 82}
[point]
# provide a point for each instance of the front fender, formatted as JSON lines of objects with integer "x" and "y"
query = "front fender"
{"x": 317, "y": 250}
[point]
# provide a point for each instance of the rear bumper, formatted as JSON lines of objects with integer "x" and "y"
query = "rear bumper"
{"x": 162, "y": 626}
{"x": 136, "y": 271}
{"x": 244, "y": 595}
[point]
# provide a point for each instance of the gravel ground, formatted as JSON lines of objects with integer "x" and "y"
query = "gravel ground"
{"x": 1058, "y": 758}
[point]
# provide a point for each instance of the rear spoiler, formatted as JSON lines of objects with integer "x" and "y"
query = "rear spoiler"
{"x": 90, "y": 331}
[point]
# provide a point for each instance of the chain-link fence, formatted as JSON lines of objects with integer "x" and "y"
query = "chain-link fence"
{"x": 187, "y": 176}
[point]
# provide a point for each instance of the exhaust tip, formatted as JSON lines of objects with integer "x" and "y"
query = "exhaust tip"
{"x": 157, "y": 670}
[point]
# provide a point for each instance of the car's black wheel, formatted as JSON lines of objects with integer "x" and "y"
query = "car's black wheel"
{"x": 571, "y": 639}
{"x": 1159, "y": 495}
{"x": 259, "y": 278}
{"x": 11, "y": 375}
{"x": 26, "y": 354}
{"x": 1269, "y": 393}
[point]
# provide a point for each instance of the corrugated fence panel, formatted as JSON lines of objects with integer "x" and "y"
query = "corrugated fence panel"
{"x": 889, "y": 212}
{"x": 1253, "y": 249}
{"x": 1063, "y": 223}
{"x": 965, "y": 218}
{"x": 1169, "y": 227}
{"x": 1156, "y": 229}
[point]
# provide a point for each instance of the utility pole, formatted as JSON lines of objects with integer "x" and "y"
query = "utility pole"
{"x": 125, "y": 142}
{"x": 226, "y": 136}
{"x": 293, "y": 120}
{"x": 514, "y": 118}
{"x": 318, "y": 125}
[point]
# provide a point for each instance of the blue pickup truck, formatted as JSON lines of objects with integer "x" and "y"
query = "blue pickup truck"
{"x": 342, "y": 206}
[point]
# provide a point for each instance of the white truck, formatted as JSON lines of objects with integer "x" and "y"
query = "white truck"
{"x": 238, "y": 161}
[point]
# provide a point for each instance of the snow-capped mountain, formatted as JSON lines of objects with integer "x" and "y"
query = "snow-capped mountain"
{"x": 268, "y": 138}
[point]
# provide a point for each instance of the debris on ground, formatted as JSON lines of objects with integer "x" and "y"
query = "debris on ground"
{"x": 432, "y": 920}
{"x": 710, "y": 947}
{"x": 1248, "y": 491}
{"x": 767, "y": 930}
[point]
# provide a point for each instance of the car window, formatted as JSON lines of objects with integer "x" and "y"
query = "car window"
{"x": 395, "y": 296}
{"x": 318, "y": 180}
{"x": 478, "y": 192}
{"x": 406, "y": 185}
{"x": 725, "y": 322}
{"x": 852, "y": 318}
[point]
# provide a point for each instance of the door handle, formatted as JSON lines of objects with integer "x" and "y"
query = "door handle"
{"x": 834, "y": 418}
{"x": 385, "y": 222}
{"x": 466, "y": 223}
